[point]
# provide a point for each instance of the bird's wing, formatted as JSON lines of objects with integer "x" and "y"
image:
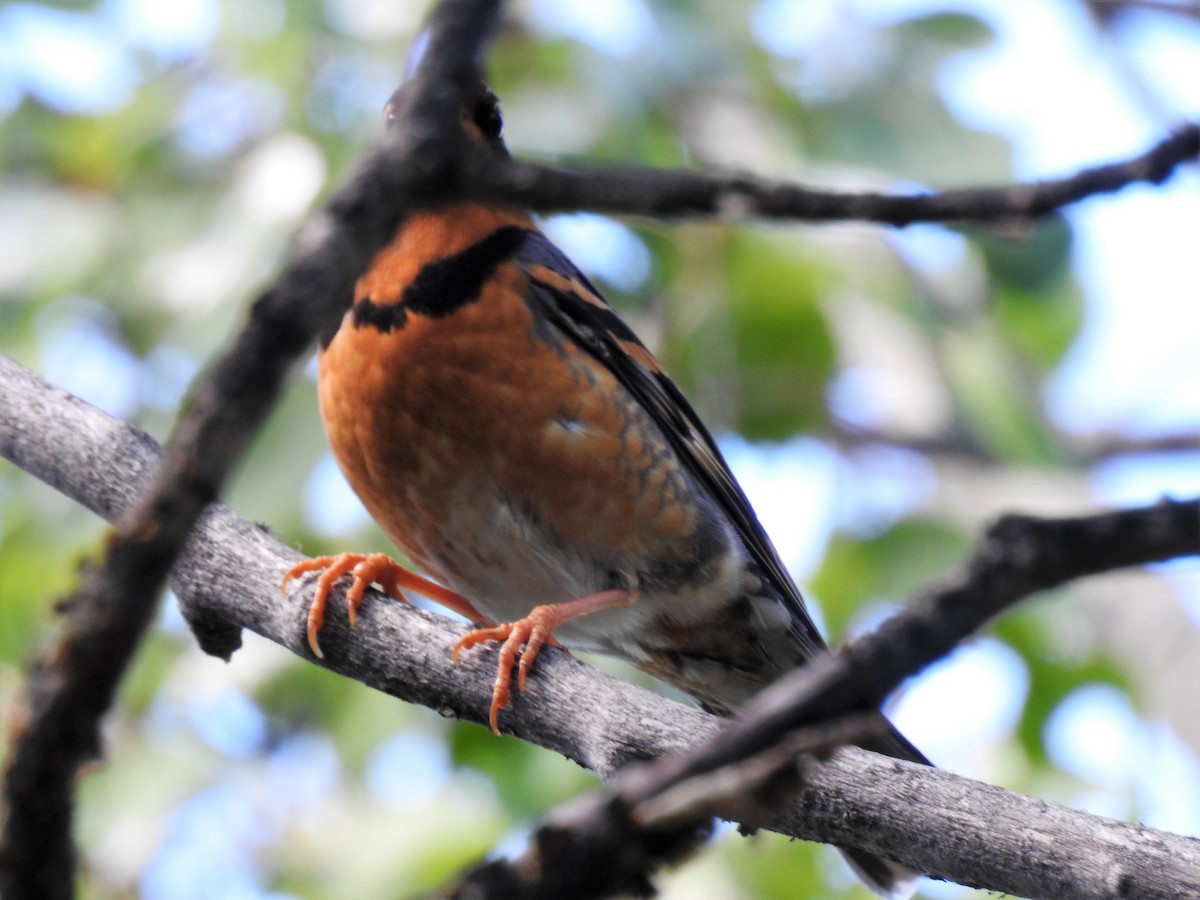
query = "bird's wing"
{"x": 569, "y": 301}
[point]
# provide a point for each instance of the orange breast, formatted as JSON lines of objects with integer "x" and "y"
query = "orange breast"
{"x": 444, "y": 423}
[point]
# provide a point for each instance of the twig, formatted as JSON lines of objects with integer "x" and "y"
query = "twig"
{"x": 1083, "y": 449}
{"x": 1109, "y": 9}
{"x": 954, "y": 829}
{"x": 751, "y": 790}
{"x": 1020, "y": 555}
{"x": 675, "y": 194}
{"x": 72, "y": 684}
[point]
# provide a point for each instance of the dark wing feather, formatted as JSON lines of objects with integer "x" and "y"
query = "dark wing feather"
{"x": 576, "y": 308}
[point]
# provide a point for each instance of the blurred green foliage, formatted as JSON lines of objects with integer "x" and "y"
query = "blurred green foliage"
{"x": 139, "y": 230}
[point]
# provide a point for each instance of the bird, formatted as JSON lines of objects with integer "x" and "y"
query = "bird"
{"x": 532, "y": 459}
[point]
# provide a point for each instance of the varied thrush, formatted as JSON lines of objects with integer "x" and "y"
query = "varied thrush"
{"x": 520, "y": 445}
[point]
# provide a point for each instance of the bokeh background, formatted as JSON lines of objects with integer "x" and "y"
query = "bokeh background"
{"x": 881, "y": 393}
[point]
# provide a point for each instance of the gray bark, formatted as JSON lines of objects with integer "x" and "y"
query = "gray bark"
{"x": 950, "y": 827}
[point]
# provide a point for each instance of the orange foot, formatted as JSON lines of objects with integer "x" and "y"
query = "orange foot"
{"x": 534, "y": 632}
{"x": 367, "y": 569}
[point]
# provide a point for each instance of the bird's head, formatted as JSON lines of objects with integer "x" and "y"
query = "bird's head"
{"x": 480, "y": 114}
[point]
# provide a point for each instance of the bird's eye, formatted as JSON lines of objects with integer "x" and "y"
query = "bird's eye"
{"x": 490, "y": 121}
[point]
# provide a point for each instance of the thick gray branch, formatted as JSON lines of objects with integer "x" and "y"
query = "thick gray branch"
{"x": 72, "y": 683}
{"x": 933, "y": 821}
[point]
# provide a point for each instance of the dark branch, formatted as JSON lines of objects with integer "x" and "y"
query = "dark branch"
{"x": 674, "y": 193}
{"x": 1098, "y": 447}
{"x": 72, "y": 684}
{"x": 1020, "y": 556}
{"x": 1107, "y": 10}
{"x": 750, "y": 790}
{"x": 228, "y": 579}
{"x": 1079, "y": 450}
{"x": 421, "y": 162}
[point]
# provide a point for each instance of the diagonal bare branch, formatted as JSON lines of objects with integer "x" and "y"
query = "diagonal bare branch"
{"x": 1020, "y": 555}
{"x": 72, "y": 684}
{"x": 228, "y": 580}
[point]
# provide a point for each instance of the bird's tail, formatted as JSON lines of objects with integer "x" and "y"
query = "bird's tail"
{"x": 725, "y": 661}
{"x": 884, "y": 877}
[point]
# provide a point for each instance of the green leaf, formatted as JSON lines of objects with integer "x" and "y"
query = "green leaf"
{"x": 1041, "y": 325}
{"x": 1029, "y": 257}
{"x": 303, "y": 696}
{"x": 528, "y": 779}
{"x": 956, "y": 31}
{"x": 769, "y": 866}
{"x": 892, "y": 567}
{"x": 993, "y": 397}
{"x": 769, "y": 354}
{"x": 1053, "y": 672}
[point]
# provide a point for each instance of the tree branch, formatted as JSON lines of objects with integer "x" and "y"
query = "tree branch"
{"x": 676, "y": 193}
{"x": 1020, "y": 556}
{"x": 72, "y": 684}
{"x": 1082, "y": 449}
{"x": 1106, "y": 10}
{"x": 228, "y": 579}
{"x": 424, "y": 162}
